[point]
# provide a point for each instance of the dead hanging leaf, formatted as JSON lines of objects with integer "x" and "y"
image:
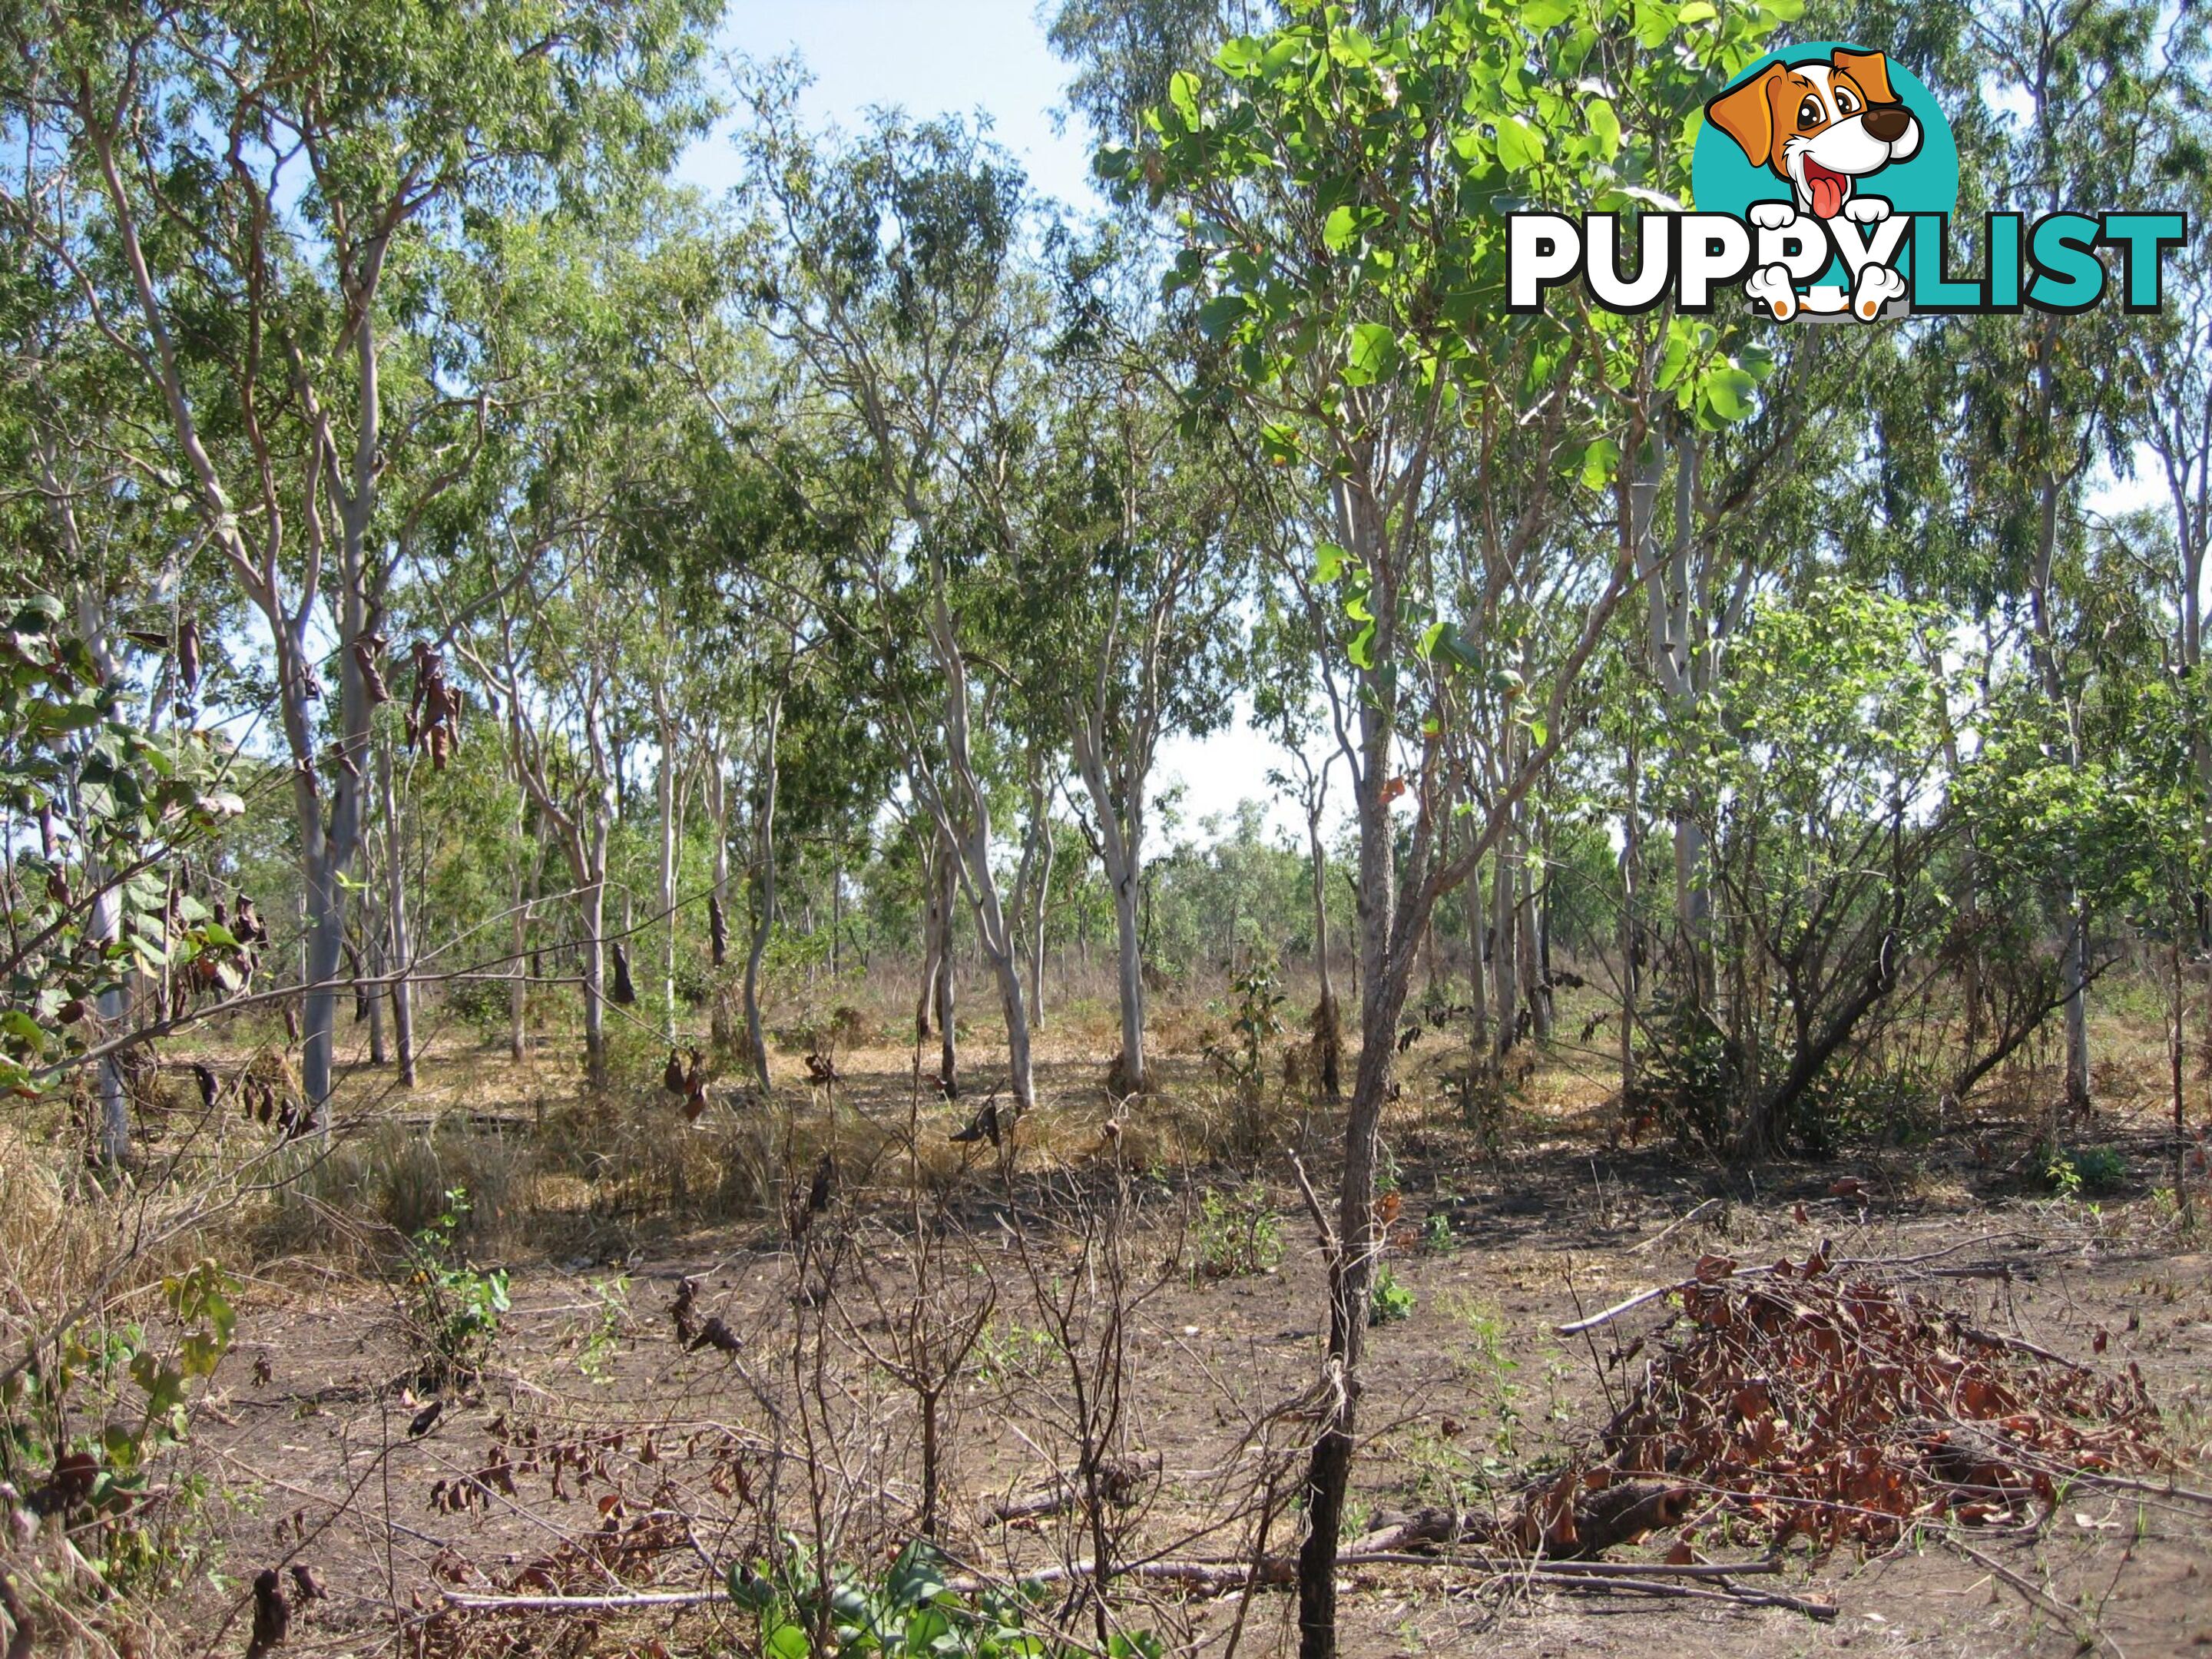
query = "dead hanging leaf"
{"x": 1712, "y": 1269}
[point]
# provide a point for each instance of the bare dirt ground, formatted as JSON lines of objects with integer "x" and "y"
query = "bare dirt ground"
{"x": 598, "y": 1455}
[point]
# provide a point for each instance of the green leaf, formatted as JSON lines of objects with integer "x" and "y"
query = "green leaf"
{"x": 1519, "y": 146}
{"x": 1341, "y": 228}
{"x": 1605, "y": 124}
{"x": 1599, "y": 462}
{"x": 1219, "y": 317}
{"x": 1372, "y": 353}
{"x": 1543, "y": 14}
{"x": 1182, "y": 94}
{"x": 1728, "y": 391}
{"x": 1697, "y": 11}
{"x": 1241, "y": 57}
{"x": 1328, "y": 562}
{"x": 786, "y": 1641}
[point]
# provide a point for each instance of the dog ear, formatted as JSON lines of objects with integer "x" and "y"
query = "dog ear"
{"x": 1871, "y": 70}
{"x": 1745, "y": 115}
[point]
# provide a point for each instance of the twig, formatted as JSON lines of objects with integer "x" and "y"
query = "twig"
{"x": 1835, "y": 1267}
{"x": 1755, "y": 1598}
{"x": 2019, "y": 1344}
{"x": 1564, "y": 1569}
{"x": 1667, "y": 1231}
{"x": 1329, "y": 1246}
{"x": 2069, "y": 1617}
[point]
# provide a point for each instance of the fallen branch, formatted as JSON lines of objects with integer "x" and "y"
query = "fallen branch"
{"x": 2070, "y": 1618}
{"x": 1502, "y": 1568}
{"x": 1117, "y": 1482}
{"x": 1840, "y": 1265}
{"x": 2019, "y": 1344}
{"x": 1679, "y": 1221}
{"x": 1755, "y": 1598}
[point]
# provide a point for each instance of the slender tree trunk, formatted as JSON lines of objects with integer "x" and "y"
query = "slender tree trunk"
{"x": 665, "y": 796}
{"x": 113, "y": 1004}
{"x": 1631, "y": 871}
{"x": 717, "y": 902}
{"x": 1329, "y": 1019}
{"x": 369, "y": 999}
{"x": 1120, "y": 829}
{"x": 1506, "y": 949}
{"x": 970, "y": 838}
{"x": 2045, "y": 652}
{"x": 1477, "y": 978}
{"x": 518, "y": 984}
{"x": 933, "y": 935}
{"x": 398, "y": 929}
{"x": 1036, "y": 938}
{"x": 2176, "y": 1041}
{"x": 593, "y": 903}
{"x": 1358, "y": 1245}
{"x": 764, "y": 879}
{"x": 945, "y": 991}
{"x": 1533, "y": 947}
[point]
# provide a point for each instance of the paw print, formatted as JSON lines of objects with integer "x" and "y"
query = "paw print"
{"x": 1772, "y": 284}
{"x": 1866, "y": 209}
{"x": 1876, "y": 287}
{"x": 1777, "y": 215}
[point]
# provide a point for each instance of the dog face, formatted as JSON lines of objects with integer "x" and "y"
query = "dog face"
{"x": 1819, "y": 125}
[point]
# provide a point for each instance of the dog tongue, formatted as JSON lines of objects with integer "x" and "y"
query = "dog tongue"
{"x": 1829, "y": 190}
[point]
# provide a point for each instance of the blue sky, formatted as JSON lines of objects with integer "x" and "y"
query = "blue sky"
{"x": 930, "y": 57}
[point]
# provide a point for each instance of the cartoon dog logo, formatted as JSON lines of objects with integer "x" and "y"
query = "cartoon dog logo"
{"x": 1822, "y": 125}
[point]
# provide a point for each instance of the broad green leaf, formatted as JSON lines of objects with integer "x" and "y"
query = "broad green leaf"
{"x": 1605, "y": 124}
{"x": 1729, "y": 392}
{"x": 1219, "y": 317}
{"x": 1371, "y": 354}
{"x": 1241, "y": 57}
{"x": 1519, "y": 146}
{"x": 1341, "y": 228}
{"x": 1182, "y": 94}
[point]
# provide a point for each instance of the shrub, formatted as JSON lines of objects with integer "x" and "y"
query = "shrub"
{"x": 456, "y": 1304}
{"x": 1388, "y": 1301}
{"x": 2089, "y": 1169}
{"x": 909, "y": 1613}
{"x": 1238, "y": 1233}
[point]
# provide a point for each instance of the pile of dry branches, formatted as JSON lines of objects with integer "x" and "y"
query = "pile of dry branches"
{"x": 1813, "y": 1404}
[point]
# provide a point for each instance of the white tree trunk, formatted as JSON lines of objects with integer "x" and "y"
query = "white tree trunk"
{"x": 398, "y": 929}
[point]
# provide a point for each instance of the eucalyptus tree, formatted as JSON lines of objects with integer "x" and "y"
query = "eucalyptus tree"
{"x": 2073, "y": 92}
{"x": 1122, "y": 543}
{"x": 2169, "y": 408}
{"x": 244, "y": 194}
{"x": 535, "y": 573}
{"x": 890, "y": 270}
{"x": 1339, "y": 193}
